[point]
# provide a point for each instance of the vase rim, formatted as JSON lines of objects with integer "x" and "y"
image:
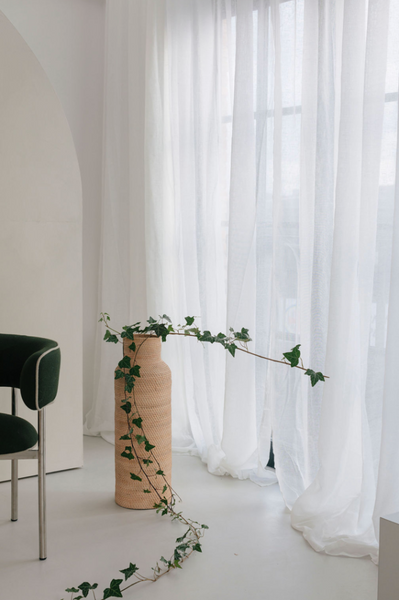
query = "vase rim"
{"x": 144, "y": 335}
{"x": 137, "y": 336}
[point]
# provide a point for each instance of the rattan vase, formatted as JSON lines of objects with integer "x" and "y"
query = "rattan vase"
{"x": 152, "y": 394}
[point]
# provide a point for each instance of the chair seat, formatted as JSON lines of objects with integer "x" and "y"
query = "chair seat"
{"x": 16, "y": 434}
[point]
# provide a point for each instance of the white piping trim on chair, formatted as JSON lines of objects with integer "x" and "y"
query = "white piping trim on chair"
{"x": 37, "y": 376}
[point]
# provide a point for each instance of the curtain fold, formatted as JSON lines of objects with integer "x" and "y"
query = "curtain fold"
{"x": 345, "y": 480}
{"x": 249, "y": 180}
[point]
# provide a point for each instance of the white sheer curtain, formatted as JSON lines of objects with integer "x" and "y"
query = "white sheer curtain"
{"x": 250, "y": 179}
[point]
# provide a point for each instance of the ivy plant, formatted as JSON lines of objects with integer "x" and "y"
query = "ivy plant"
{"x": 164, "y": 501}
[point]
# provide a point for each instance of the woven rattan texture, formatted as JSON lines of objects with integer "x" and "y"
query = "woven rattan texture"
{"x": 152, "y": 394}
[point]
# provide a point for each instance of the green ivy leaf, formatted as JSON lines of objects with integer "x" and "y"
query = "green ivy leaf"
{"x": 195, "y": 330}
{"x": 124, "y": 363}
{"x": 132, "y": 347}
{"x": 127, "y": 453}
{"x": 314, "y": 377}
{"x": 207, "y": 337}
{"x": 127, "y": 407}
{"x": 147, "y": 491}
{"x": 127, "y": 333}
{"x": 197, "y": 547}
{"x": 130, "y": 456}
{"x": 204, "y": 526}
{"x": 177, "y": 565}
{"x": 176, "y": 555}
{"x": 148, "y": 446}
{"x": 137, "y": 422}
{"x": 165, "y": 487}
{"x": 85, "y": 588}
{"x": 183, "y": 537}
{"x": 166, "y": 318}
{"x": 131, "y": 570}
{"x": 293, "y": 356}
{"x": 140, "y": 439}
{"x": 119, "y": 374}
{"x": 135, "y": 477}
{"x": 147, "y": 461}
{"x": 129, "y": 385}
{"x": 72, "y": 590}
{"x": 232, "y": 349}
{"x": 113, "y": 339}
{"x": 221, "y": 338}
{"x": 160, "y": 472}
{"x": 125, "y": 437}
{"x": 160, "y": 330}
{"x": 129, "y": 379}
{"x": 113, "y": 590}
{"x": 242, "y": 335}
{"x": 135, "y": 370}
{"x": 151, "y": 321}
{"x": 189, "y": 320}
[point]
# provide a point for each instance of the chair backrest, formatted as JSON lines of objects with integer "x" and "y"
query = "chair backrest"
{"x": 31, "y": 364}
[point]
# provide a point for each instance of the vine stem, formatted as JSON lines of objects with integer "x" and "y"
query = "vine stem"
{"x": 194, "y": 533}
{"x": 157, "y": 575}
{"x": 172, "y": 491}
{"x": 246, "y": 351}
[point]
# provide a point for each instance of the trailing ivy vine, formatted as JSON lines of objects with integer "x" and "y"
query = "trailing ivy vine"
{"x": 189, "y": 542}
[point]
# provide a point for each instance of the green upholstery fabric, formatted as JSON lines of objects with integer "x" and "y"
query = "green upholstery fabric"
{"x": 24, "y": 364}
{"x": 16, "y": 434}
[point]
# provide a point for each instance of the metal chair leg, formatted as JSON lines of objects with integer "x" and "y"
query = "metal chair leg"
{"x": 42, "y": 486}
{"x": 14, "y": 490}
{"x": 14, "y": 468}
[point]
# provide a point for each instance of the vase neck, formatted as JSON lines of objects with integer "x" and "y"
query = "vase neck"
{"x": 147, "y": 347}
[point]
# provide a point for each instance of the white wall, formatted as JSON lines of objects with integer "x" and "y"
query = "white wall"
{"x": 40, "y": 238}
{"x": 67, "y": 36}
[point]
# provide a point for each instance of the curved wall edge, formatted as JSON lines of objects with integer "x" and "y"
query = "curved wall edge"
{"x": 40, "y": 238}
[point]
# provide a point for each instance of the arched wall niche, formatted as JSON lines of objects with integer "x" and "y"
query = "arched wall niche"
{"x": 40, "y": 238}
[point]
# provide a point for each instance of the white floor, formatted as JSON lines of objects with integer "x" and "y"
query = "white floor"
{"x": 249, "y": 552}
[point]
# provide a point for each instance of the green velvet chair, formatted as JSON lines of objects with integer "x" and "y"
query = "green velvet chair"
{"x": 32, "y": 365}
